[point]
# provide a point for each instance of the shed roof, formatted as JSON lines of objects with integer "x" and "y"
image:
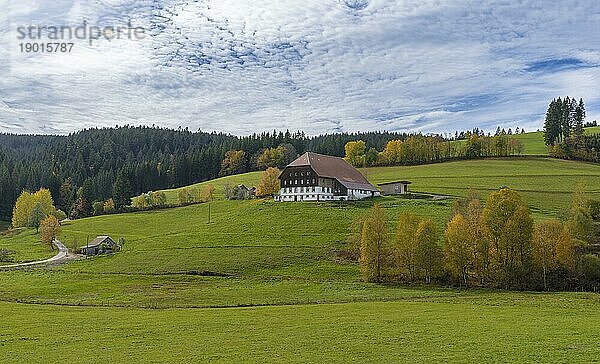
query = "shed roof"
{"x": 395, "y": 182}
{"x": 98, "y": 241}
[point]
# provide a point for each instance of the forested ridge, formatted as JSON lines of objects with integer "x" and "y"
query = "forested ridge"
{"x": 85, "y": 166}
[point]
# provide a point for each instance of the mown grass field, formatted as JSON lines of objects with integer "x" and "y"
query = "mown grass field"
{"x": 483, "y": 327}
{"x": 265, "y": 282}
{"x": 25, "y": 246}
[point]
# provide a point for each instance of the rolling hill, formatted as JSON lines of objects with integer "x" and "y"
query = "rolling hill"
{"x": 268, "y": 281}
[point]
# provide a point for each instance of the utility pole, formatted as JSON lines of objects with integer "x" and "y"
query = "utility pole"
{"x": 209, "y": 212}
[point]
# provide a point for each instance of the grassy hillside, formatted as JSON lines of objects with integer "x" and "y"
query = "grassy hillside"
{"x": 479, "y": 328}
{"x": 25, "y": 246}
{"x": 533, "y": 142}
{"x": 545, "y": 183}
{"x": 266, "y": 281}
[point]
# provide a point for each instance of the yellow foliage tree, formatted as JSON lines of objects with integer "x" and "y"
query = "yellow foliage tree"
{"x": 355, "y": 153}
{"x": 458, "y": 248}
{"x": 27, "y": 203}
{"x": 428, "y": 252}
{"x": 393, "y": 152}
{"x": 207, "y": 194}
{"x": 233, "y": 162}
{"x": 372, "y": 245}
{"x": 406, "y": 245}
{"x": 269, "y": 182}
{"x": 22, "y": 210}
{"x": 508, "y": 225}
{"x": 553, "y": 246}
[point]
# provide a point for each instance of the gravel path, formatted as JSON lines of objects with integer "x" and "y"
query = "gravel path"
{"x": 62, "y": 255}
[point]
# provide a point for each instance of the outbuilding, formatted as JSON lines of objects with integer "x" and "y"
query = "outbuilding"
{"x": 395, "y": 188}
{"x": 100, "y": 245}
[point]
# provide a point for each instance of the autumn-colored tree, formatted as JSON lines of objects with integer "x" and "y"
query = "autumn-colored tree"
{"x": 373, "y": 245}
{"x": 428, "y": 252}
{"x": 579, "y": 216}
{"x": 458, "y": 249}
{"x": 44, "y": 198}
{"x": 28, "y": 204}
{"x": 271, "y": 157}
{"x": 508, "y": 226}
{"x": 269, "y": 182}
{"x": 98, "y": 208}
{"x": 158, "y": 198}
{"x": 22, "y": 210}
{"x": 393, "y": 153}
{"x": 233, "y": 162}
{"x": 185, "y": 196}
{"x": 50, "y": 228}
{"x": 109, "y": 206}
{"x": 207, "y": 193}
{"x": 553, "y": 246}
{"x": 355, "y": 153}
{"x": 405, "y": 251}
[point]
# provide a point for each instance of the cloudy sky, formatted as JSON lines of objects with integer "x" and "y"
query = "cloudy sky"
{"x": 242, "y": 66}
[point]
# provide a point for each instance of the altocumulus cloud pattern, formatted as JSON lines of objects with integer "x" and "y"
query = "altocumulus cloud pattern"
{"x": 242, "y": 66}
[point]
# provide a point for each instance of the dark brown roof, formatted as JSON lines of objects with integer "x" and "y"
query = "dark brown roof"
{"x": 334, "y": 167}
{"x": 99, "y": 240}
{"x": 393, "y": 183}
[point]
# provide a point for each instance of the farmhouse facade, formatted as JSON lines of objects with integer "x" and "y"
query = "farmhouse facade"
{"x": 317, "y": 177}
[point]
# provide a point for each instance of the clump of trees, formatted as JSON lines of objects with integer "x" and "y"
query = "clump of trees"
{"x": 32, "y": 208}
{"x": 493, "y": 245}
{"x": 564, "y": 131}
{"x": 413, "y": 256}
{"x": 419, "y": 149}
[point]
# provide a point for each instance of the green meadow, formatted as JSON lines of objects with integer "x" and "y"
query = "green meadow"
{"x": 269, "y": 282}
{"x": 481, "y": 327}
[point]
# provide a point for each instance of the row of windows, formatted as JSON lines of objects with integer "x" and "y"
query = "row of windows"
{"x": 304, "y": 189}
{"x": 301, "y": 198}
{"x": 285, "y": 182}
{"x": 301, "y": 174}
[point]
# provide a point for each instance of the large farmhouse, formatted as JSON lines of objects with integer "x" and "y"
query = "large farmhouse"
{"x": 317, "y": 177}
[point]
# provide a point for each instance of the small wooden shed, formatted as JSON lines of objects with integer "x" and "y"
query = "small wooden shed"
{"x": 100, "y": 245}
{"x": 395, "y": 188}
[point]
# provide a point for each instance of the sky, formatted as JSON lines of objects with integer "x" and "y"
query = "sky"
{"x": 321, "y": 66}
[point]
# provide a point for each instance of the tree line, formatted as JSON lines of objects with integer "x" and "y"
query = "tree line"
{"x": 420, "y": 149}
{"x": 564, "y": 131}
{"x": 111, "y": 165}
{"x": 495, "y": 245}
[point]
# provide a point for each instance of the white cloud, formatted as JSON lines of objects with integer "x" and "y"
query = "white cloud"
{"x": 242, "y": 66}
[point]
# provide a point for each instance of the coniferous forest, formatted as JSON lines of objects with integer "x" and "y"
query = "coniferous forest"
{"x": 96, "y": 164}
{"x": 118, "y": 163}
{"x": 564, "y": 131}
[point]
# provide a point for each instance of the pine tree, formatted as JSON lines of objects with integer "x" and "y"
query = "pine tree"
{"x": 122, "y": 190}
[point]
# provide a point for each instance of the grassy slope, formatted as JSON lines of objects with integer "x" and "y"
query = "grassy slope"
{"x": 483, "y": 328}
{"x": 285, "y": 254}
{"x": 545, "y": 184}
{"x": 25, "y": 245}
